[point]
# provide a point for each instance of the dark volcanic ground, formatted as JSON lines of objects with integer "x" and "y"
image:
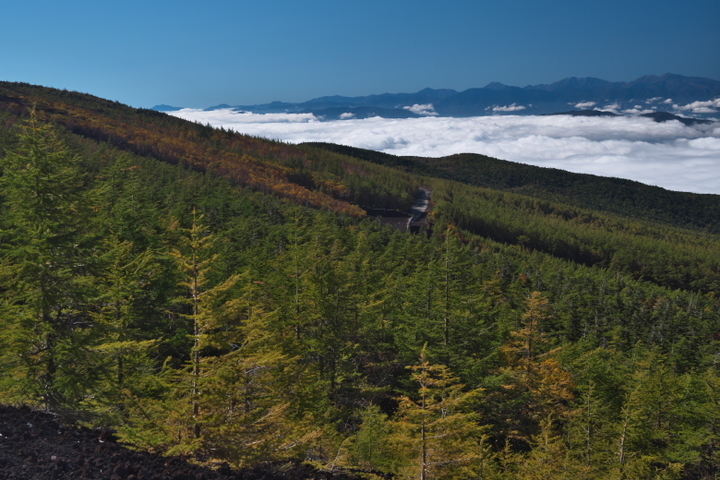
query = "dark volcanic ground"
{"x": 35, "y": 446}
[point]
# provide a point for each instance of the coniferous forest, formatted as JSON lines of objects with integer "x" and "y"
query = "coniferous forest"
{"x": 228, "y": 298}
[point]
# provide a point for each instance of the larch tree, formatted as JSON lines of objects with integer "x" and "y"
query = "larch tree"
{"x": 536, "y": 382}
{"x": 440, "y": 431}
{"x": 206, "y": 305}
{"x": 45, "y": 272}
{"x": 250, "y": 394}
{"x": 125, "y": 352}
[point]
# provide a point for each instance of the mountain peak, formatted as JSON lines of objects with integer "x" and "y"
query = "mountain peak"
{"x": 576, "y": 83}
{"x": 165, "y": 108}
{"x": 496, "y": 86}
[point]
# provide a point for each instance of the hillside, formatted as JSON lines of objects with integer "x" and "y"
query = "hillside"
{"x": 228, "y": 299}
{"x": 613, "y": 195}
{"x": 148, "y": 133}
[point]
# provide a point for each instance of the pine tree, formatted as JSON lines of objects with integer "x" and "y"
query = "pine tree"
{"x": 537, "y": 386}
{"x": 442, "y": 435}
{"x": 122, "y": 343}
{"x": 249, "y": 406}
{"x": 45, "y": 272}
{"x": 206, "y": 306}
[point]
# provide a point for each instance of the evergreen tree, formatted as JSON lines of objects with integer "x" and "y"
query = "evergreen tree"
{"x": 46, "y": 274}
{"x": 249, "y": 404}
{"x": 536, "y": 386}
{"x": 549, "y": 458}
{"x": 373, "y": 447}
{"x": 206, "y": 305}
{"x": 442, "y": 435}
{"x": 647, "y": 420}
{"x": 122, "y": 343}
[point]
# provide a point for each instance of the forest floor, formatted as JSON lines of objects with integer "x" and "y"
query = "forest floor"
{"x": 36, "y": 446}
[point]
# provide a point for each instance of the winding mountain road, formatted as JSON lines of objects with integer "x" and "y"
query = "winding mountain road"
{"x": 420, "y": 208}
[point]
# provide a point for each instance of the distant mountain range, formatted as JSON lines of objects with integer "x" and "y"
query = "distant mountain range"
{"x": 645, "y": 95}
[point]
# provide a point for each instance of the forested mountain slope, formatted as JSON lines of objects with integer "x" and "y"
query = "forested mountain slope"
{"x": 612, "y": 195}
{"x": 224, "y": 297}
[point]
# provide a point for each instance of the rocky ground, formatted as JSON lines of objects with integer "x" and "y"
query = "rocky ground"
{"x": 36, "y": 446}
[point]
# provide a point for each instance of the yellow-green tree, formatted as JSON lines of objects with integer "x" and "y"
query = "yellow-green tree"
{"x": 123, "y": 347}
{"x": 549, "y": 458}
{"x": 536, "y": 384}
{"x": 240, "y": 388}
{"x": 439, "y": 433}
{"x": 46, "y": 274}
{"x": 209, "y": 308}
{"x": 249, "y": 395}
{"x": 649, "y": 421}
{"x": 373, "y": 447}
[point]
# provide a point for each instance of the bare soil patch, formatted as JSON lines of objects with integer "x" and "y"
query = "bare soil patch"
{"x": 36, "y": 446}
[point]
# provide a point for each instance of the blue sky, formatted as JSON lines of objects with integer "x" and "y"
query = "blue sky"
{"x": 202, "y": 53}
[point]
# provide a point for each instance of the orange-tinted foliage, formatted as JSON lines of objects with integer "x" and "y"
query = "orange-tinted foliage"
{"x": 247, "y": 160}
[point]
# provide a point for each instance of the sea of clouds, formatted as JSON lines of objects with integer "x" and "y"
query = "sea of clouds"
{"x": 670, "y": 155}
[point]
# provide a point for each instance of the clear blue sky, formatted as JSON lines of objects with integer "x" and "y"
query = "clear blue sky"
{"x": 206, "y": 52}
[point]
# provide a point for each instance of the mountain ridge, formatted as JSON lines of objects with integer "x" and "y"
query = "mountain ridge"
{"x": 647, "y": 93}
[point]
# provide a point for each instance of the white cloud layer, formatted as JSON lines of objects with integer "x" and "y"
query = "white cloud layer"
{"x": 585, "y": 104}
{"x": 613, "y": 107}
{"x": 426, "y": 109}
{"x": 509, "y": 108}
{"x": 710, "y": 106}
{"x": 638, "y": 110}
{"x": 670, "y": 154}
